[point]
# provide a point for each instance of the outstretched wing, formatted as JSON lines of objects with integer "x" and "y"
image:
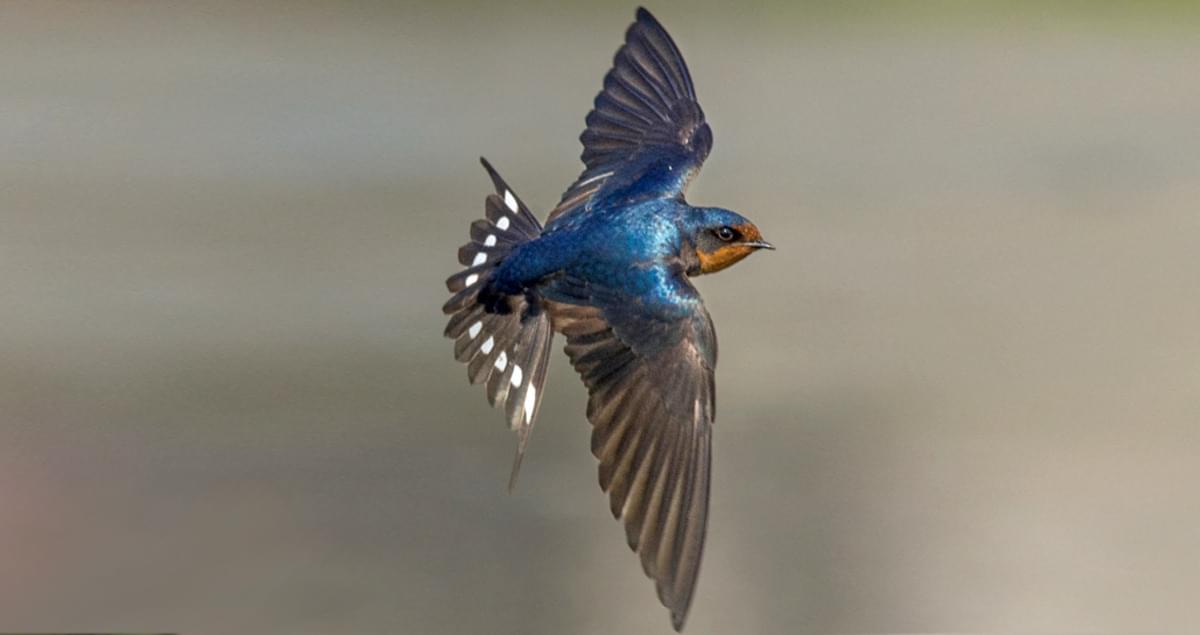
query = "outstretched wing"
{"x": 646, "y": 135}
{"x": 649, "y": 375}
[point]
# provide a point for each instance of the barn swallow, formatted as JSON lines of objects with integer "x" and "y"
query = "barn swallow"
{"x": 610, "y": 270}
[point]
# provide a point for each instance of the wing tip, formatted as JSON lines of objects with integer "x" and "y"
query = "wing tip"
{"x": 679, "y": 607}
{"x": 647, "y": 20}
{"x": 677, "y": 620}
{"x": 643, "y": 21}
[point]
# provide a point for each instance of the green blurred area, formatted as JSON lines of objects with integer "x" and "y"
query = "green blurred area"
{"x": 951, "y": 11}
{"x": 1118, "y": 15}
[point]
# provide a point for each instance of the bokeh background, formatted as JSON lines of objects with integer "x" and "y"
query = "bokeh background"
{"x": 963, "y": 395}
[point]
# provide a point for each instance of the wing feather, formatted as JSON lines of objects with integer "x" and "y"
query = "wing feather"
{"x": 646, "y": 135}
{"x": 650, "y": 385}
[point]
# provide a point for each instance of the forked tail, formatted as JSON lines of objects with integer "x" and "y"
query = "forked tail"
{"x": 510, "y": 351}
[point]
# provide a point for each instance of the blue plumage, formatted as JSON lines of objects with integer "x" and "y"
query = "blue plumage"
{"x": 610, "y": 270}
{"x": 630, "y": 247}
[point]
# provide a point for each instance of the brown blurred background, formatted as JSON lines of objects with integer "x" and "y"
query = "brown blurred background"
{"x": 963, "y": 395}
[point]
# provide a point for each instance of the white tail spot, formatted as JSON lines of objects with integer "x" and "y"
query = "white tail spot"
{"x": 480, "y": 258}
{"x": 472, "y": 279}
{"x": 475, "y": 329}
{"x": 510, "y": 200}
{"x": 502, "y": 223}
{"x": 502, "y": 361}
{"x": 490, "y": 241}
{"x": 530, "y": 400}
{"x": 487, "y": 345}
{"x": 516, "y": 376}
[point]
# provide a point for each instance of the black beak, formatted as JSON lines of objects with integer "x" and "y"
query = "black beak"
{"x": 759, "y": 244}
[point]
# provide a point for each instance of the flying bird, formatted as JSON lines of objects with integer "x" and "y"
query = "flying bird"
{"x": 610, "y": 270}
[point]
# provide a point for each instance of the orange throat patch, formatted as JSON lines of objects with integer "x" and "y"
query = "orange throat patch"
{"x": 723, "y": 257}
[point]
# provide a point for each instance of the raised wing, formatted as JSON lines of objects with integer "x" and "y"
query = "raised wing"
{"x": 649, "y": 374}
{"x": 646, "y": 136}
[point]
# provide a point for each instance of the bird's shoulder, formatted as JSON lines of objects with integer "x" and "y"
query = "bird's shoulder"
{"x": 650, "y": 305}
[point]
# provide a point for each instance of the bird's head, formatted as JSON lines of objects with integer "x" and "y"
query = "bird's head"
{"x": 721, "y": 238}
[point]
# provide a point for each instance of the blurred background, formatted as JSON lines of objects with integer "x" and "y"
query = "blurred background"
{"x": 963, "y": 395}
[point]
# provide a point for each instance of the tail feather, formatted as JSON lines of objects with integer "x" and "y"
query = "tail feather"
{"x": 511, "y": 351}
{"x": 537, "y": 343}
{"x": 504, "y": 204}
{"x": 484, "y": 232}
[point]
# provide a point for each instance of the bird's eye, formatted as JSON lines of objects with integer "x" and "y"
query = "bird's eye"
{"x": 726, "y": 233}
